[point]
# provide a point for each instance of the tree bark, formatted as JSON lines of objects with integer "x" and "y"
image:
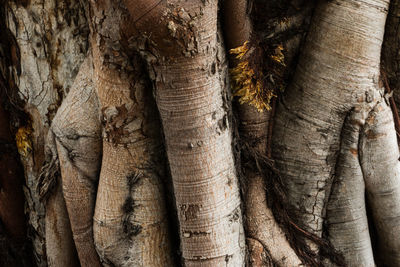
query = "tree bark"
{"x": 332, "y": 78}
{"x": 333, "y": 137}
{"x": 190, "y": 80}
{"x": 130, "y": 219}
{"x": 50, "y": 42}
{"x": 77, "y": 133}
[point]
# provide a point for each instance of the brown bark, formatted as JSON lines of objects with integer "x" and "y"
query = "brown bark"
{"x": 130, "y": 219}
{"x": 60, "y": 246}
{"x": 77, "y": 133}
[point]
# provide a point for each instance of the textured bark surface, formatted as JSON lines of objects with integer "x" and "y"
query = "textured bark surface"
{"x": 334, "y": 141}
{"x": 191, "y": 83}
{"x": 347, "y": 224}
{"x": 77, "y": 133}
{"x": 381, "y": 168}
{"x": 130, "y": 220}
{"x": 262, "y": 232}
{"x": 59, "y": 243}
{"x": 50, "y": 44}
{"x": 337, "y": 72}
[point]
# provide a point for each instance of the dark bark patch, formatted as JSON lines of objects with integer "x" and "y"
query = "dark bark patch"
{"x": 190, "y": 211}
{"x": 132, "y": 179}
{"x": 128, "y": 205}
{"x": 223, "y": 123}
{"x": 235, "y": 215}
{"x": 213, "y": 68}
{"x": 227, "y": 258}
{"x": 131, "y": 229}
{"x": 374, "y": 135}
{"x": 121, "y": 121}
{"x": 50, "y": 171}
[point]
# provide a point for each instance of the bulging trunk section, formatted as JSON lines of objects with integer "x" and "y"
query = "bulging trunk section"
{"x": 130, "y": 220}
{"x": 337, "y": 71}
{"x": 77, "y": 133}
{"x": 347, "y": 223}
{"x": 191, "y": 97}
{"x": 380, "y": 164}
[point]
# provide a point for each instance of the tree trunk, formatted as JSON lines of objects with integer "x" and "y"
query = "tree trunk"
{"x": 190, "y": 82}
{"x": 313, "y": 182}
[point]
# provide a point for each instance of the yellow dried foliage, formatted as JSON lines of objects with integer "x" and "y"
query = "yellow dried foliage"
{"x": 279, "y": 56}
{"x": 246, "y": 86}
{"x": 23, "y": 139}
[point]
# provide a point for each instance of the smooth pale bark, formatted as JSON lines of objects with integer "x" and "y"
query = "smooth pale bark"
{"x": 338, "y": 69}
{"x": 189, "y": 71}
{"x": 77, "y": 132}
{"x": 346, "y": 223}
{"x": 130, "y": 220}
{"x": 381, "y": 169}
{"x": 267, "y": 243}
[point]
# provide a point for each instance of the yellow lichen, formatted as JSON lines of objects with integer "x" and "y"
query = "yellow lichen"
{"x": 248, "y": 86}
{"x": 23, "y": 139}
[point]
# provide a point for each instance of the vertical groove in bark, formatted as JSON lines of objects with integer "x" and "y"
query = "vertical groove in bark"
{"x": 191, "y": 98}
{"x": 60, "y": 246}
{"x": 77, "y": 131}
{"x": 283, "y": 27}
{"x": 237, "y": 30}
{"x": 381, "y": 169}
{"x": 347, "y": 223}
{"x": 339, "y": 66}
{"x": 130, "y": 220}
